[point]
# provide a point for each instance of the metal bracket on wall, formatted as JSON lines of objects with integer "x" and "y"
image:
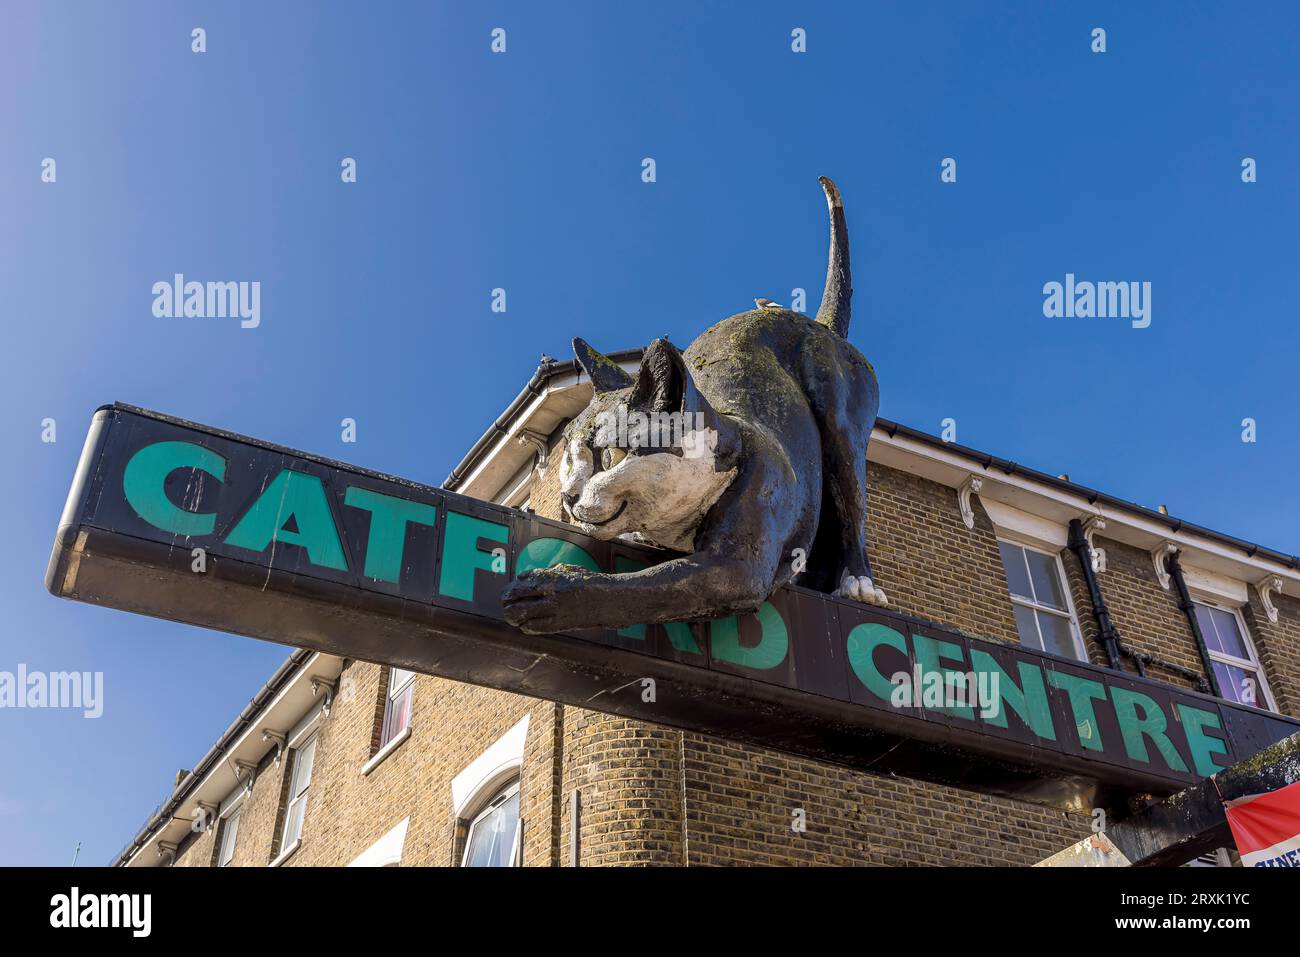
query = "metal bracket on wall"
{"x": 1091, "y": 527}
{"x": 246, "y": 773}
{"x": 280, "y": 740}
{"x": 538, "y": 442}
{"x": 968, "y": 488}
{"x": 1266, "y": 586}
{"x": 166, "y": 849}
{"x": 316, "y": 685}
{"x": 1159, "y": 555}
{"x": 210, "y": 814}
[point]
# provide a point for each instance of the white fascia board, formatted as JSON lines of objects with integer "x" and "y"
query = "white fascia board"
{"x": 288, "y": 708}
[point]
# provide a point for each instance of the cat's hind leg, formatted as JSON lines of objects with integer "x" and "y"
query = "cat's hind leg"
{"x": 844, "y": 399}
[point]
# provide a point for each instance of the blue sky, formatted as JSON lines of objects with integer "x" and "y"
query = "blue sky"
{"x": 523, "y": 171}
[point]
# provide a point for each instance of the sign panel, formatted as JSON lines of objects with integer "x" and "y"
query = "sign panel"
{"x": 181, "y": 521}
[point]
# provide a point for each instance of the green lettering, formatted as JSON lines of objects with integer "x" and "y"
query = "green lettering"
{"x": 1028, "y": 700}
{"x": 1082, "y": 691}
{"x": 1195, "y": 721}
{"x": 1151, "y": 725}
{"x": 724, "y": 640}
{"x": 300, "y": 497}
{"x": 461, "y": 555}
{"x": 861, "y": 648}
{"x": 929, "y": 653}
{"x": 145, "y": 473}
{"x": 545, "y": 552}
{"x": 388, "y": 518}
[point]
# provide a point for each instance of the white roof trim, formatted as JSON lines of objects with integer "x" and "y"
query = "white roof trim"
{"x": 294, "y": 701}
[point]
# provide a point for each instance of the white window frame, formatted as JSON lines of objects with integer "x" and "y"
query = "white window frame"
{"x": 499, "y": 796}
{"x": 1254, "y": 666}
{"x": 387, "y": 735}
{"x": 229, "y": 807}
{"x": 1081, "y": 650}
{"x": 285, "y": 843}
{"x": 226, "y": 821}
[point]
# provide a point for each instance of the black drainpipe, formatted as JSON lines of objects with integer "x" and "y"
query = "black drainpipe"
{"x": 1109, "y": 635}
{"x": 1188, "y": 609}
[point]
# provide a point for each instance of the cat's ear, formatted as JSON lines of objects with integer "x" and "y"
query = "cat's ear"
{"x": 662, "y": 383}
{"x": 606, "y": 374}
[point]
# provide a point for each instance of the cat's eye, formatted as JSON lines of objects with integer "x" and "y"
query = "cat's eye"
{"x": 611, "y": 457}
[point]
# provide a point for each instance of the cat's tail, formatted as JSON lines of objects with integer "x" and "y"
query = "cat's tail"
{"x": 838, "y": 294}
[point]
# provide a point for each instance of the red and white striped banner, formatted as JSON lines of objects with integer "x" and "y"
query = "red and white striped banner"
{"x": 1266, "y": 827}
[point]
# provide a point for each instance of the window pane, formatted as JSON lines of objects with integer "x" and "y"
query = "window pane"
{"x": 1208, "y": 631}
{"x": 492, "y": 837}
{"x": 302, "y": 763}
{"x": 1046, "y": 581}
{"x": 397, "y": 681}
{"x": 1027, "y": 627}
{"x": 1058, "y": 637}
{"x": 398, "y": 714}
{"x": 1013, "y": 561}
{"x": 229, "y": 834}
{"x": 1239, "y": 685}
{"x": 1225, "y": 622}
{"x": 293, "y": 823}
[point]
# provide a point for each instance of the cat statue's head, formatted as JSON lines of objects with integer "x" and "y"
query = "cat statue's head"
{"x": 648, "y": 457}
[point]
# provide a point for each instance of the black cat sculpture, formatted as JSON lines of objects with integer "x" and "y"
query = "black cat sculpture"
{"x": 748, "y": 454}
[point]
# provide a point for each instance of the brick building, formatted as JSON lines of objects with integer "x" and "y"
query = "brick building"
{"x": 340, "y": 761}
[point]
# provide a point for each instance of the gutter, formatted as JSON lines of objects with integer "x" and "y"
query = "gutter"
{"x": 283, "y": 675}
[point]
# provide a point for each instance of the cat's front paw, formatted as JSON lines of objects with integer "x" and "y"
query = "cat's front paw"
{"x": 861, "y": 588}
{"x": 543, "y": 601}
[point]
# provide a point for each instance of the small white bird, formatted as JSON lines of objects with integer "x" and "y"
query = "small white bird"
{"x": 767, "y": 304}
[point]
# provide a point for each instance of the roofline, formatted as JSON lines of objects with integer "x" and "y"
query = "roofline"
{"x": 547, "y": 371}
{"x": 283, "y": 675}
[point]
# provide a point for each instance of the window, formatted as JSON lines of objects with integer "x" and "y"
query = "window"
{"x": 1241, "y": 679}
{"x": 229, "y": 834}
{"x": 397, "y": 710}
{"x": 493, "y": 839}
{"x": 303, "y": 756}
{"x": 1044, "y": 616}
